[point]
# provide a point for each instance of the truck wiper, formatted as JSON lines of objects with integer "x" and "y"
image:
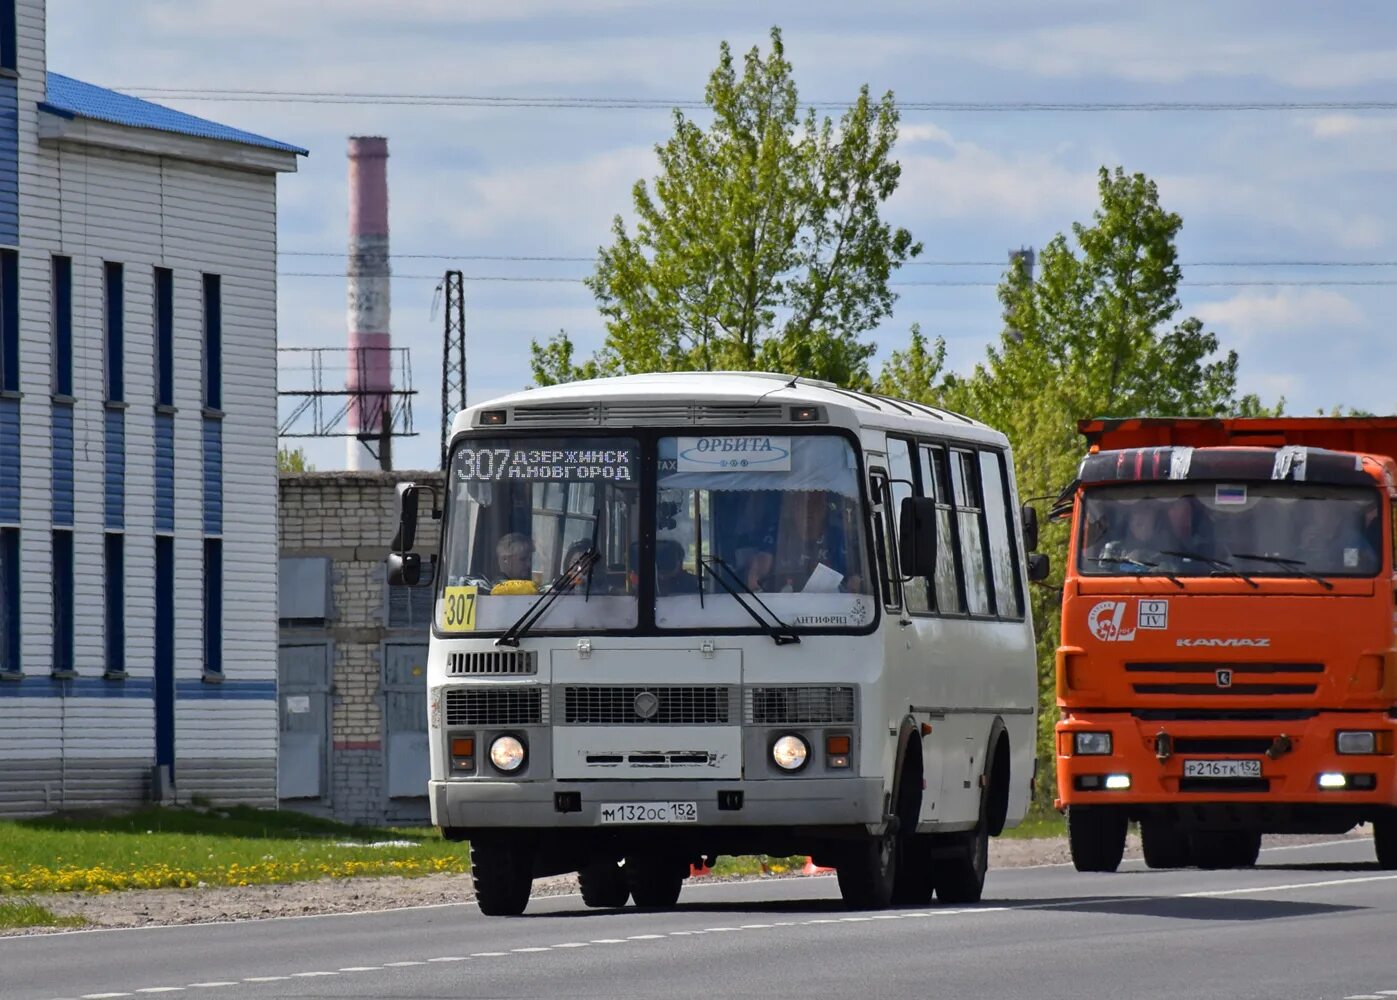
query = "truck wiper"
{"x": 1154, "y": 568}
{"x": 1221, "y": 564}
{"x": 541, "y": 604}
{"x": 1296, "y": 564}
{"x": 781, "y": 633}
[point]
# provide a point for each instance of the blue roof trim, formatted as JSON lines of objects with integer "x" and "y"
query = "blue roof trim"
{"x": 75, "y": 99}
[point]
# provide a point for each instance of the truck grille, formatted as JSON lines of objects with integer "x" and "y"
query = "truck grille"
{"x": 1252, "y": 745}
{"x": 496, "y": 706}
{"x": 792, "y": 706}
{"x": 1247, "y": 679}
{"x": 514, "y": 662}
{"x": 1235, "y": 690}
{"x": 637, "y": 704}
{"x": 1224, "y": 785}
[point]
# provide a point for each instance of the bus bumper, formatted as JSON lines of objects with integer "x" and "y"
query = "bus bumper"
{"x": 1300, "y": 772}
{"x": 473, "y": 804}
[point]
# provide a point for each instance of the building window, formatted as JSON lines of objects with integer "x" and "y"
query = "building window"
{"x": 9, "y": 36}
{"x": 63, "y": 326}
{"x": 213, "y": 341}
{"x": 62, "y": 584}
{"x": 409, "y": 607}
{"x": 115, "y": 315}
{"x": 165, "y": 336}
{"x": 114, "y": 567}
{"x": 9, "y": 601}
{"x": 9, "y": 320}
{"x": 213, "y": 605}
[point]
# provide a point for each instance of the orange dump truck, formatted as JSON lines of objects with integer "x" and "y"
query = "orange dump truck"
{"x": 1227, "y": 665}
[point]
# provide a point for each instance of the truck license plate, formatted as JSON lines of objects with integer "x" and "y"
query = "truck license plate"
{"x": 649, "y": 812}
{"x": 1222, "y": 769}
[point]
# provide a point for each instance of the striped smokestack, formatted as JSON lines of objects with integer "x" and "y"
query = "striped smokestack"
{"x": 370, "y": 379}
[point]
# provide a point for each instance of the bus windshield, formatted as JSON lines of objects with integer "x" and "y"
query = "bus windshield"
{"x": 1203, "y": 529}
{"x": 774, "y": 518}
{"x": 525, "y": 510}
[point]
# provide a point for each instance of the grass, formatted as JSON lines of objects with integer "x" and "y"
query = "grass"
{"x": 162, "y": 848}
{"x": 24, "y": 913}
{"x": 1041, "y": 821}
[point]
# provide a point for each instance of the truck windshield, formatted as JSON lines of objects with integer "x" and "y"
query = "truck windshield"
{"x": 1205, "y": 529}
{"x": 524, "y": 510}
{"x": 778, "y": 514}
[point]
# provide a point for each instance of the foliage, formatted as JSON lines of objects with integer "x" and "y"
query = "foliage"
{"x": 293, "y": 460}
{"x": 1098, "y": 333}
{"x": 26, "y": 913}
{"x": 758, "y": 245}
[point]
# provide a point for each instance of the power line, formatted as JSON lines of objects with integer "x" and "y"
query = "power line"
{"x": 498, "y": 101}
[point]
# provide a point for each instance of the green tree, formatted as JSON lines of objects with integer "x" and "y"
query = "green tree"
{"x": 758, "y": 245}
{"x": 1099, "y": 333}
{"x": 292, "y": 460}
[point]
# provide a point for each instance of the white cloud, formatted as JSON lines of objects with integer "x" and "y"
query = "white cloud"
{"x": 1345, "y": 126}
{"x": 1285, "y": 310}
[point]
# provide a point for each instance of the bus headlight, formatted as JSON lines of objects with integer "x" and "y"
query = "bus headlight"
{"x": 790, "y": 752}
{"x": 507, "y": 753}
{"x": 1093, "y": 744}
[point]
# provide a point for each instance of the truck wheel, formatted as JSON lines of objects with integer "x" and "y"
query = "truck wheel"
{"x": 1096, "y": 836}
{"x": 961, "y": 878}
{"x": 1385, "y": 840}
{"x": 1166, "y": 846}
{"x": 867, "y": 871}
{"x": 654, "y": 882}
{"x": 603, "y": 884}
{"x": 503, "y": 873}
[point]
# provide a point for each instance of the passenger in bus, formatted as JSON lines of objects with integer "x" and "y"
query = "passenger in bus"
{"x": 670, "y": 575}
{"x": 515, "y": 554}
{"x": 809, "y": 552}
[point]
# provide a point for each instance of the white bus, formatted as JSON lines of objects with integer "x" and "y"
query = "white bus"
{"x": 687, "y": 615}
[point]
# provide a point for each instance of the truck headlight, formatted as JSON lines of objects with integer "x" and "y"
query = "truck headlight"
{"x": 507, "y": 753}
{"x": 1362, "y": 741}
{"x": 1092, "y": 744}
{"x": 790, "y": 752}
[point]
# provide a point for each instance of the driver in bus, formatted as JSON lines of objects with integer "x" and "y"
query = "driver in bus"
{"x": 515, "y": 554}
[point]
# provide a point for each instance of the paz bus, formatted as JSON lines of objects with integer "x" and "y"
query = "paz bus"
{"x": 1227, "y": 666}
{"x": 686, "y": 615}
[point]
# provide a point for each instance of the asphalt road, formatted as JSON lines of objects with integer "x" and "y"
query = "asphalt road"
{"x": 1310, "y": 922}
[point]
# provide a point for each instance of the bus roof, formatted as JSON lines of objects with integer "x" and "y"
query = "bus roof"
{"x": 679, "y": 398}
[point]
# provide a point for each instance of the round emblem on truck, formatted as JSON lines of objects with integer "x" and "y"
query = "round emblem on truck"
{"x": 646, "y": 704}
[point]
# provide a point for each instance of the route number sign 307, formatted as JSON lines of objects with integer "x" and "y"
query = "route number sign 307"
{"x": 458, "y": 609}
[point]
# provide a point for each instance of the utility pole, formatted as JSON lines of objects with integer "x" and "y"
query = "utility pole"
{"x": 453, "y": 356}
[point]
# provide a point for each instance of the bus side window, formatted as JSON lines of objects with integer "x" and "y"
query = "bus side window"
{"x": 965, "y": 485}
{"x": 936, "y": 483}
{"x": 1004, "y": 557}
{"x": 884, "y": 544}
{"x": 901, "y": 486}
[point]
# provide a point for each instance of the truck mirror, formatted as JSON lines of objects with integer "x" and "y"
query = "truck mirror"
{"x": 1037, "y": 567}
{"x": 916, "y": 537}
{"x": 406, "y": 503}
{"x": 405, "y": 570}
{"x": 1028, "y": 517}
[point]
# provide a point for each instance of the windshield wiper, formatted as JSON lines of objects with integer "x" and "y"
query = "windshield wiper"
{"x": 1296, "y": 564}
{"x": 1221, "y": 564}
{"x": 781, "y": 633}
{"x": 1154, "y": 568}
{"x": 543, "y": 602}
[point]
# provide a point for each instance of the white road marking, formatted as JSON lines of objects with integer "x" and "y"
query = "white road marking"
{"x": 312, "y": 975}
{"x": 448, "y": 958}
{"x": 103, "y": 996}
{"x": 161, "y": 989}
{"x": 573, "y": 944}
{"x": 1283, "y": 888}
{"x": 608, "y": 941}
{"x": 400, "y": 965}
{"x": 489, "y": 954}
{"x": 645, "y": 937}
{"x": 264, "y": 979}
{"x": 361, "y": 968}
{"x": 527, "y": 950}
{"x": 206, "y": 986}
{"x": 1364, "y": 996}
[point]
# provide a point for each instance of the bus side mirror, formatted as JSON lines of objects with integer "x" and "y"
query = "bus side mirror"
{"x": 405, "y": 505}
{"x": 1028, "y": 517}
{"x": 1037, "y": 567}
{"x": 405, "y": 570}
{"x": 916, "y": 537}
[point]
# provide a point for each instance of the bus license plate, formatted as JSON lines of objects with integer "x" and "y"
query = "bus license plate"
{"x": 649, "y": 812}
{"x": 1222, "y": 769}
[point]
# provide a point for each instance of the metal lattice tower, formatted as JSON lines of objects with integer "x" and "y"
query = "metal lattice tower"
{"x": 453, "y": 356}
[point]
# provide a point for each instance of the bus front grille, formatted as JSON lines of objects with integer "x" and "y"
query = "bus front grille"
{"x": 496, "y": 706}
{"x": 510, "y": 661}
{"x": 792, "y": 706}
{"x": 637, "y": 704}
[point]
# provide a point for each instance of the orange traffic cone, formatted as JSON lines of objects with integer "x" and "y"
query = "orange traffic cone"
{"x": 813, "y": 869}
{"x": 700, "y": 870}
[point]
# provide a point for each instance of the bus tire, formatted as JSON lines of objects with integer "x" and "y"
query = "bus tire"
{"x": 914, "y": 878}
{"x": 1165, "y": 845}
{"x": 1385, "y": 839}
{"x": 867, "y": 872}
{"x": 1096, "y": 837}
{"x": 503, "y": 873}
{"x": 961, "y": 877}
{"x": 603, "y": 884}
{"x": 654, "y": 882}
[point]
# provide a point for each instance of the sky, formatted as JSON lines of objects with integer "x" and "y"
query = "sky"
{"x": 1298, "y": 185}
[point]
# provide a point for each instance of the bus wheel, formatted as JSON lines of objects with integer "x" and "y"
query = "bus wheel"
{"x": 503, "y": 873}
{"x": 1096, "y": 836}
{"x": 1166, "y": 846}
{"x": 867, "y": 871}
{"x": 1225, "y": 848}
{"x": 915, "y": 879}
{"x": 961, "y": 878}
{"x": 603, "y": 884}
{"x": 1385, "y": 839}
{"x": 654, "y": 882}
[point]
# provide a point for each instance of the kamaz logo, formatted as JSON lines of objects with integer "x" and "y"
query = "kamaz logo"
{"x": 1253, "y": 643}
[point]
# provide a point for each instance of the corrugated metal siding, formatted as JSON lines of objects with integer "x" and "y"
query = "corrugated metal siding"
{"x": 213, "y": 476}
{"x": 63, "y": 465}
{"x": 9, "y": 461}
{"x": 114, "y": 477}
{"x": 9, "y": 161}
{"x": 164, "y": 472}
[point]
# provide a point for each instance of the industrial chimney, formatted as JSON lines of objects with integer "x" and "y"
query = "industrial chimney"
{"x": 370, "y": 376}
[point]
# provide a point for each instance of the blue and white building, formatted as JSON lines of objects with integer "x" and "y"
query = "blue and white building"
{"x": 138, "y": 481}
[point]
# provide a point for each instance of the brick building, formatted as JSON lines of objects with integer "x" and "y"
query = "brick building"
{"x": 353, "y": 651}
